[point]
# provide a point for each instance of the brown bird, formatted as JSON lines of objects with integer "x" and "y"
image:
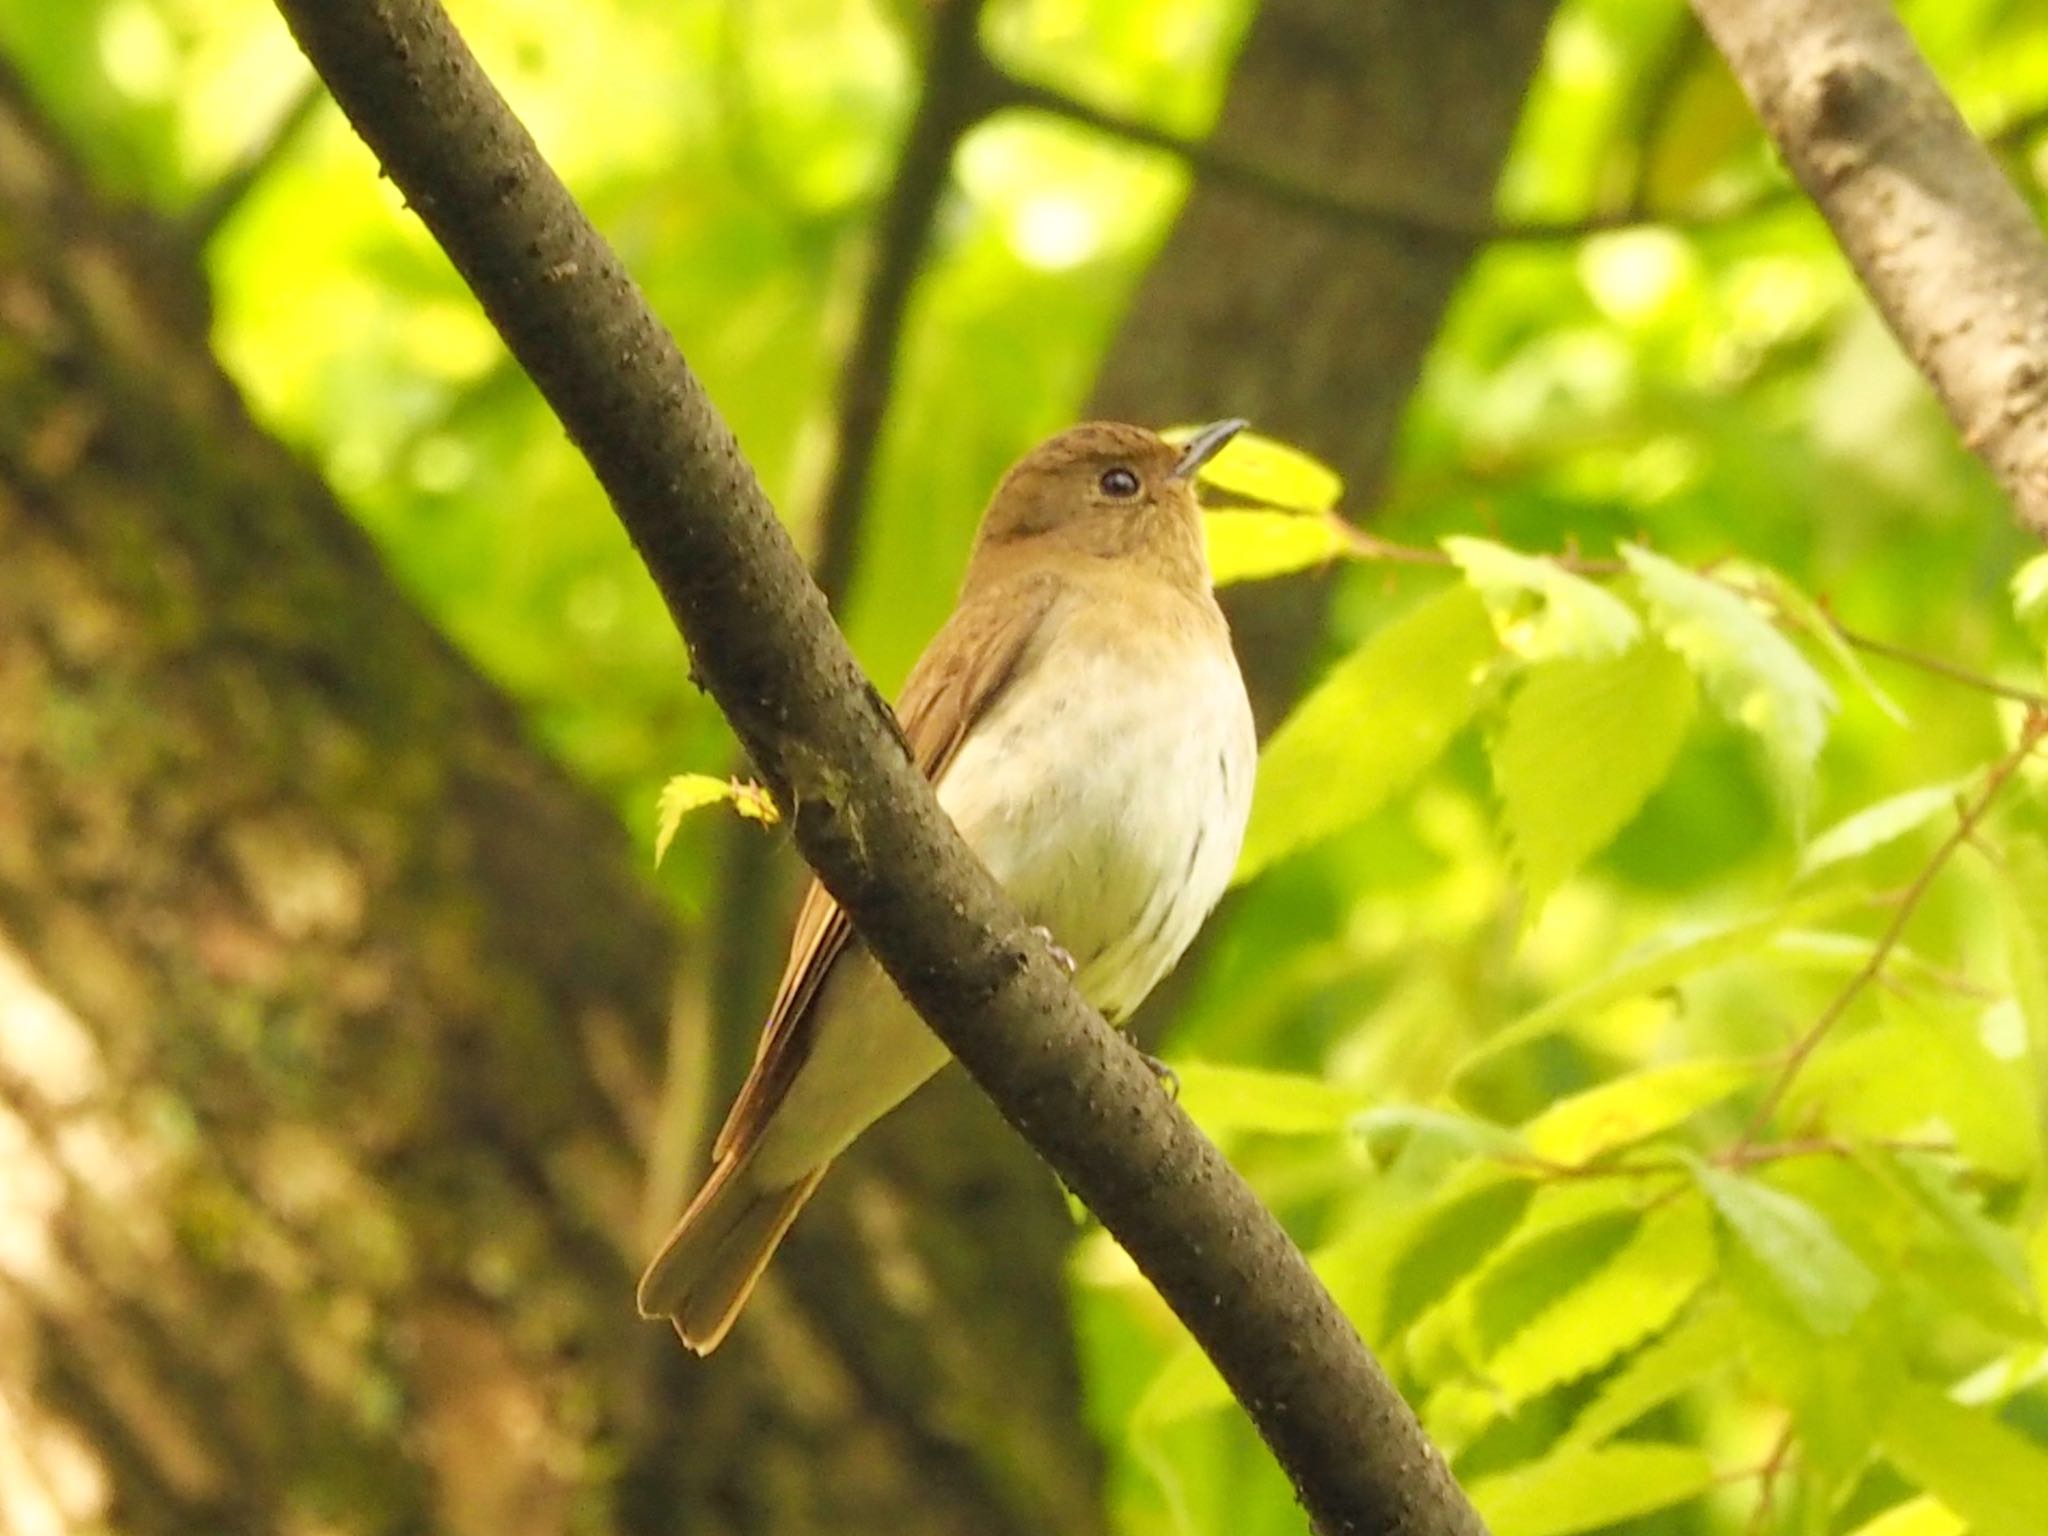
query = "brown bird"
{"x": 1083, "y": 721}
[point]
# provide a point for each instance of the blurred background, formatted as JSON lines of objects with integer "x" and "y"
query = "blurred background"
{"x": 353, "y": 1051}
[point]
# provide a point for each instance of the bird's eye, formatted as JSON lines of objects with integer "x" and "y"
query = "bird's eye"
{"x": 1119, "y": 483}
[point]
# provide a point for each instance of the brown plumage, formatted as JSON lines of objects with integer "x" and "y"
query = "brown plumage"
{"x": 1082, "y": 718}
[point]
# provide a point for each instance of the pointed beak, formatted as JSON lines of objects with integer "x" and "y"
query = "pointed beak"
{"x": 1205, "y": 445}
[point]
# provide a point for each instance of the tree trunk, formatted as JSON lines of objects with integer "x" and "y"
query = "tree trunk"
{"x": 330, "y": 1019}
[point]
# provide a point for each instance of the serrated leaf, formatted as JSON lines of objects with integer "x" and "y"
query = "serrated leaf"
{"x": 1754, "y": 675}
{"x": 1811, "y": 1268}
{"x": 1225, "y": 1098}
{"x": 1669, "y": 1256}
{"x": 1585, "y": 1490}
{"x": 1990, "y": 1474}
{"x": 1266, "y": 470}
{"x": 688, "y": 792}
{"x": 1807, "y": 615}
{"x": 1540, "y": 610}
{"x": 1582, "y": 745}
{"x": 1625, "y": 1110}
{"x": 1698, "y": 1346}
{"x": 1253, "y": 546}
{"x": 1369, "y": 729}
{"x": 1385, "y": 1128}
{"x": 1924, "y": 1516}
{"x": 1444, "y": 1245}
{"x": 1654, "y": 967}
{"x": 1875, "y": 825}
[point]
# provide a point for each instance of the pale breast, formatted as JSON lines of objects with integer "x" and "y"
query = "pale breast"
{"x": 1108, "y": 789}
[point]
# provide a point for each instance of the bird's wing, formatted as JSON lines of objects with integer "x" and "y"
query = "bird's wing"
{"x": 961, "y": 674}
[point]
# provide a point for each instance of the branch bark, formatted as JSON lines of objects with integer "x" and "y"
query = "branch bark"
{"x": 762, "y": 642}
{"x": 1942, "y": 241}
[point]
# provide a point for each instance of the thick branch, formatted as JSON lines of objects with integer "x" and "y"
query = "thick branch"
{"x": 764, "y": 645}
{"x": 1941, "y": 239}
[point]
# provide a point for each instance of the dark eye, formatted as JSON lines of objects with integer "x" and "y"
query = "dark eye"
{"x": 1119, "y": 483}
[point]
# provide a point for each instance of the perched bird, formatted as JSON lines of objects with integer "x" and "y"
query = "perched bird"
{"x": 1083, "y": 721}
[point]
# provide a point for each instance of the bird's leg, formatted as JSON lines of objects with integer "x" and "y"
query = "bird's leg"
{"x": 1060, "y": 956}
{"x": 1168, "y": 1078}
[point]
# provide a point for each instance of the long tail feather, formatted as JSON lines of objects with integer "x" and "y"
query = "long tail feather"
{"x": 707, "y": 1268}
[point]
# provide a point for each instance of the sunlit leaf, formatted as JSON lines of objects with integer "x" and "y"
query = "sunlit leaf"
{"x": 1581, "y": 746}
{"x": 1445, "y": 1245}
{"x": 2025, "y": 892}
{"x": 1812, "y": 1269}
{"x": 1252, "y": 546}
{"x": 1382, "y": 716}
{"x": 1631, "y": 1108}
{"x": 1699, "y": 1345}
{"x": 1990, "y": 1474}
{"x": 1585, "y": 1490}
{"x": 1265, "y": 470}
{"x": 1754, "y": 675}
{"x": 1876, "y": 825}
{"x": 1225, "y": 1098}
{"x": 1186, "y": 1384}
{"x": 1385, "y": 1128}
{"x": 1539, "y": 609}
{"x": 688, "y": 792}
{"x": 1924, "y": 1516}
{"x": 1807, "y": 615}
{"x": 1625, "y": 1300}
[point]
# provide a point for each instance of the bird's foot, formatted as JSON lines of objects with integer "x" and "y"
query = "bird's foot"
{"x": 1168, "y": 1078}
{"x": 1060, "y": 956}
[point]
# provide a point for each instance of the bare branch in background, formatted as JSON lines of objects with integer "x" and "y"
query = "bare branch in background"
{"x": 1944, "y": 243}
{"x": 763, "y": 643}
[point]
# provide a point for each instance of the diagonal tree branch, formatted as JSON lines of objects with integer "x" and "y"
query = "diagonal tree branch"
{"x": 1942, "y": 241}
{"x": 762, "y": 641}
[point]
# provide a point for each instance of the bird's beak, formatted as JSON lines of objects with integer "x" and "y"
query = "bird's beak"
{"x": 1206, "y": 444}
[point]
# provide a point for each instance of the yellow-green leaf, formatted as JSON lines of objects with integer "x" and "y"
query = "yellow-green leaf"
{"x": 2026, "y": 944}
{"x": 1252, "y": 546}
{"x": 1754, "y": 675}
{"x": 1812, "y": 1269}
{"x": 1539, "y": 609}
{"x": 1702, "y": 1343}
{"x": 1629, "y": 1109}
{"x": 1990, "y": 1474}
{"x": 1265, "y": 470}
{"x": 1875, "y": 825}
{"x": 688, "y": 792}
{"x": 1585, "y": 1490}
{"x": 1370, "y": 728}
{"x": 1924, "y": 1516}
{"x": 1583, "y": 743}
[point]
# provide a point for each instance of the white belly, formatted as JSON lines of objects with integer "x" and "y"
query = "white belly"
{"x": 1108, "y": 791}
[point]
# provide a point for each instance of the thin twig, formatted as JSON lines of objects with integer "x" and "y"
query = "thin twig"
{"x": 217, "y": 204}
{"x": 2031, "y": 732}
{"x": 952, "y": 102}
{"x": 1892, "y": 651}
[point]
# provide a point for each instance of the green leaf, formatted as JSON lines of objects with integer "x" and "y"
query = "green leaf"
{"x": 2025, "y": 889}
{"x": 1698, "y": 1346}
{"x": 2030, "y": 597}
{"x": 1444, "y": 1245}
{"x": 1186, "y": 1384}
{"x": 1225, "y": 1098}
{"x": 1654, "y": 968}
{"x": 1924, "y": 1516}
{"x": 1582, "y": 745}
{"x": 1540, "y": 610}
{"x": 1991, "y": 1475}
{"x": 1629, "y": 1109}
{"x": 1584, "y": 1490}
{"x": 1876, "y": 825}
{"x": 1386, "y": 1129}
{"x": 1252, "y": 546}
{"x": 1791, "y": 602}
{"x": 1811, "y": 1268}
{"x": 1755, "y": 676}
{"x": 688, "y": 792}
{"x": 1265, "y": 470}
{"x": 1640, "y": 1289}
{"x": 1370, "y": 728}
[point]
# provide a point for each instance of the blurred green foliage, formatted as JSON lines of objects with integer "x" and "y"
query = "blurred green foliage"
{"x": 1520, "y": 952}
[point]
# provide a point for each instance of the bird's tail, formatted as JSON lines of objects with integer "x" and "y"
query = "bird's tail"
{"x": 707, "y": 1268}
